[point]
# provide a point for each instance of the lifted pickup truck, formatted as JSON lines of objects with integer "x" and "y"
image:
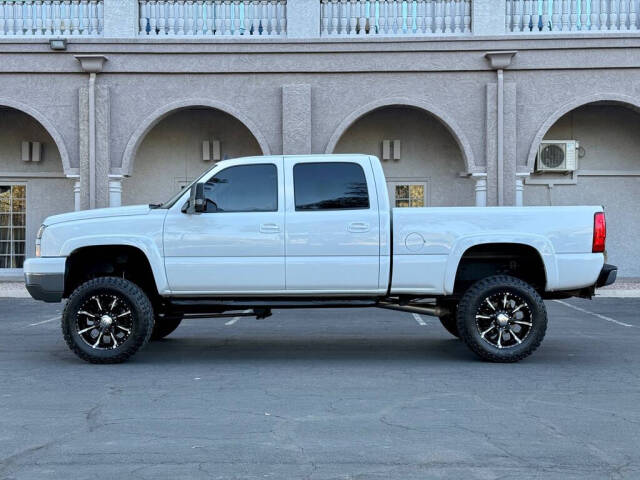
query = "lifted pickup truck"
{"x": 252, "y": 234}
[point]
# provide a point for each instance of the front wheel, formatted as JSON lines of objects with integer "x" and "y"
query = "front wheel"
{"x": 107, "y": 320}
{"x": 502, "y": 319}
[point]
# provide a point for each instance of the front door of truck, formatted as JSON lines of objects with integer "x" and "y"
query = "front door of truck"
{"x": 332, "y": 226}
{"x": 237, "y": 244}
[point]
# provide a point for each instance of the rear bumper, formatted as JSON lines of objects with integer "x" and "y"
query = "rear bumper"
{"x": 44, "y": 278}
{"x": 607, "y": 275}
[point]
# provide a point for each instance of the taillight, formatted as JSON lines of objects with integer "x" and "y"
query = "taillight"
{"x": 599, "y": 232}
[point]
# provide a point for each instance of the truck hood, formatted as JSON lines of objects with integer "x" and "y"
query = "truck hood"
{"x": 98, "y": 213}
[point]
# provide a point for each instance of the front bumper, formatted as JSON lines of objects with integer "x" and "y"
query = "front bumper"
{"x": 607, "y": 275}
{"x": 44, "y": 278}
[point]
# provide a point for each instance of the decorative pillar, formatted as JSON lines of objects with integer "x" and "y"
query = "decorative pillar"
{"x": 498, "y": 61}
{"x": 121, "y": 18}
{"x": 92, "y": 160}
{"x": 520, "y": 188}
{"x": 296, "y": 119}
{"x": 115, "y": 190}
{"x": 76, "y": 191}
{"x": 303, "y": 18}
{"x": 481, "y": 189}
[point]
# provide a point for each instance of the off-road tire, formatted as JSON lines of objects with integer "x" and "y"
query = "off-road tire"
{"x": 477, "y": 294}
{"x": 141, "y": 319}
{"x": 165, "y": 325}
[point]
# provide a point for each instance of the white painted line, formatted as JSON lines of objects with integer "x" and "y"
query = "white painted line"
{"x": 235, "y": 319}
{"x": 419, "y": 319}
{"x": 45, "y": 321}
{"x": 602, "y": 317}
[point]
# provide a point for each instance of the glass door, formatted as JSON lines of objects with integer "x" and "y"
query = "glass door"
{"x": 12, "y": 225}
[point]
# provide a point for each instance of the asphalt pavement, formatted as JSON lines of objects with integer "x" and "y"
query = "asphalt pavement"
{"x": 323, "y": 394}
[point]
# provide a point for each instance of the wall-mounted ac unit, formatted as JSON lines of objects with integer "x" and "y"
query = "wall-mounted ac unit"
{"x": 557, "y": 156}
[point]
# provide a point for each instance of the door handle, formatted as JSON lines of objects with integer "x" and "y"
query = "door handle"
{"x": 356, "y": 227}
{"x": 269, "y": 228}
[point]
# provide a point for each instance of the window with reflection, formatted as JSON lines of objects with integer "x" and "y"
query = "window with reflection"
{"x": 13, "y": 215}
{"x": 330, "y": 186}
{"x": 243, "y": 188}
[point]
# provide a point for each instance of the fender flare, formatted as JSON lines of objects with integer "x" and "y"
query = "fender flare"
{"x": 145, "y": 244}
{"x": 541, "y": 244}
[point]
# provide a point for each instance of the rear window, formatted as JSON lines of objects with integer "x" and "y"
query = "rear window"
{"x": 330, "y": 186}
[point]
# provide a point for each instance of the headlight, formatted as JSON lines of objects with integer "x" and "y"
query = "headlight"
{"x": 39, "y": 238}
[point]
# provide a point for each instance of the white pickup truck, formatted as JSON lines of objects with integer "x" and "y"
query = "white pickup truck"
{"x": 252, "y": 234}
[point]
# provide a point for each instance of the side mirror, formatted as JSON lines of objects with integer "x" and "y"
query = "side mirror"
{"x": 196, "y": 199}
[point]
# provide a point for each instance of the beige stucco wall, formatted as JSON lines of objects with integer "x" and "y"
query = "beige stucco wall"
{"x": 428, "y": 152}
{"x": 172, "y": 152}
{"x": 610, "y": 136}
{"x": 48, "y": 191}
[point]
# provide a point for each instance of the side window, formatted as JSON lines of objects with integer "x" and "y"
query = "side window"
{"x": 245, "y": 188}
{"x": 330, "y": 186}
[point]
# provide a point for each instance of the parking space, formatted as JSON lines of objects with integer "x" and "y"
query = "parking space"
{"x": 323, "y": 394}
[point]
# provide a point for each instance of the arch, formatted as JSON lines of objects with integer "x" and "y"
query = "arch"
{"x": 47, "y": 125}
{"x": 163, "y": 112}
{"x": 443, "y": 117}
{"x": 623, "y": 100}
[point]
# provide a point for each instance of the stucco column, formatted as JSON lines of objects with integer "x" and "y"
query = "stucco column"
{"x": 488, "y": 17}
{"x": 296, "y": 119}
{"x": 76, "y": 191}
{"x": 94, "y": 135}
{"x": 495, "y": 124}
{"x": 121, "y": 18}
{"x": 115, "y": 190}
{"x": 303, "y": 18}
{"x": 481, "y": 189}
{"x": 520, "y": 177}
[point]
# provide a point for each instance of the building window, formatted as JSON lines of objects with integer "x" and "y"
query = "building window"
{"x": 12, "y": 225}
{"x": 408, "y": 194}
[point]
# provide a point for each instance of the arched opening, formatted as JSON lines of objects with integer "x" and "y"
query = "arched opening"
{"x": 421, "y": 158}
{"x": 179, "y": 147}
{"x": 33, "y": 184}
{"x": 606, "y": 172}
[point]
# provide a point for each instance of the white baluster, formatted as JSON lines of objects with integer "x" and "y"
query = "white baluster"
{"x": 324, "y": 17}
{"x": 613, "y": 15}
{"x": 28, "y": 17}
{"x": 595, "y": 10}
{"x": 154, "y": 16}
{"x": 517, "y": 16}
{"x": 226, "y": 17}
{"x": 603, "y": 14}
{"x": 75, "y": 18}
{"x": 66, "y": 19}
{"x": 556, "y": 24}
{"x": 100, "y": 17}
{"x": 429, "y": 16}
{"x": 447, "y": 16}
{"x": 362, "y": 17}
{"x": 419, "y": 17}
{"x": 217, "y": 17}
{"x": 47, "y": 22}
{"x": 3, "y": 21}
{"x": 188, "y": 17}
{"x": 342, "y": 16}
{"x": 584, "y": 17}
{"x": 198, "y": 21}
{"x": 372, "y": 17}
{"x": 508, "y": 20}
{"x": 527, "y": 16}
{"x": 237, "y": 20}
{"x": 353, "y": 17}
{"x": 170, "y": 11}
{"x": 208, "y": 5}
{"x": 574, "y": 15}
{"x": 273, "y": 18}
{"x": 17, "y": 18}
{"x": 93, "y": 17}
{"x": 545, "y": 16}
{"x": 55, "y": 12}
{"x": 467, "y": 16}
{"x": 633, "y": 16}
{"x": 142, "y": 16}
{"x": 383, "y": 19}
{"x": 283, "y": 16}
{"x": 624, "y": 15}
{"x": 38, "y": 25}
{"x": 161, "y": 22}
{"x": 438, "y": 17}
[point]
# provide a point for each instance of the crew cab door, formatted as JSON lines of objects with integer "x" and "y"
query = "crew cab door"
{"x": 237, "y": 244}
{"x": 332, "y": 225}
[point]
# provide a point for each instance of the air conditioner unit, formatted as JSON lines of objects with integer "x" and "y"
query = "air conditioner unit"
{"x": 557, "y": 156}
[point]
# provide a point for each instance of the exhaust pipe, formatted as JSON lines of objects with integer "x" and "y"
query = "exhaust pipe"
{"x": 434, "y": 311}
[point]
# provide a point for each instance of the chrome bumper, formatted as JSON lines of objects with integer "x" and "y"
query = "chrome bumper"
{"x": 44, "y": 278}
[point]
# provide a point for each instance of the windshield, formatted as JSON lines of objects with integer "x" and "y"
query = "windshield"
{"x": 175, "y": 197}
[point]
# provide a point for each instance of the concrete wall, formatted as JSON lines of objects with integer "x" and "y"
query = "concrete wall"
{"x": 610, "y": 136}
{"x": 171, "y": 153}
{"x": 428, "y": 152}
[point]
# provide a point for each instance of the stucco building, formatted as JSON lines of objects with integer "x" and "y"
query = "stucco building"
{"x": 110, "y": 102}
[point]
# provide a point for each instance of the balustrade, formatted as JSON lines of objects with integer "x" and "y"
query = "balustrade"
{"x": 51, "y": 17}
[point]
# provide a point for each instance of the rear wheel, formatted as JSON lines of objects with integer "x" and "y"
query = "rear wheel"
{"x": 502, "y": 319}
{"x": 165, "y": 325}
{"x": 107, "y": 320}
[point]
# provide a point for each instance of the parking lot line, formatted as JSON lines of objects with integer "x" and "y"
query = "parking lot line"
{"x": 45, "y": 321}
{"x": 419, "y": 319}
{"x": 602, "y": 317}
{"x": 235, "y": 319}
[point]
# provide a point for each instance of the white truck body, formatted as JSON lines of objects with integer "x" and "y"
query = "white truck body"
{"x": 333, "y": 252}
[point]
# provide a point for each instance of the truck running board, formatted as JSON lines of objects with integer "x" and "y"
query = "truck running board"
{"x": 424, "y": 309}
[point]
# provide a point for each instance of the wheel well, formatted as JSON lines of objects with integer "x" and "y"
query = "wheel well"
{"x": 109, "y": 261}
{"x": 518, "y": 260}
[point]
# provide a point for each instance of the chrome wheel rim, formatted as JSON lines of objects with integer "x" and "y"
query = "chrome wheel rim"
{"x": 504, "y": 320}
{"x": 104, "y": 321}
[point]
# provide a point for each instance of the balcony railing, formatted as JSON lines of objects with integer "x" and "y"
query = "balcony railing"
{"x": 571, "y": 15}
{"x": 395, "y": 17}
{"x": 51, "y": 17}
{"x": 212, "y": 17}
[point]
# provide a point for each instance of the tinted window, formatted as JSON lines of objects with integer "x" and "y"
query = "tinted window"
{"x": 330, "y": 186}
{"x": 245, "y": 188}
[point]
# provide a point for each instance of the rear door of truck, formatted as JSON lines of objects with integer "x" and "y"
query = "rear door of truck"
{"x": 332, "y": 225}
